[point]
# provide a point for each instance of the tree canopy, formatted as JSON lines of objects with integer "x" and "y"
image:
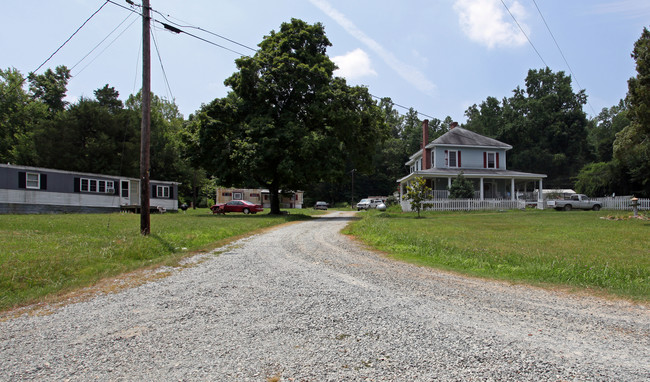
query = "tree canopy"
{"x": 632, "y": 144}
{"x": 288, "y": 122}
{"x": 544, "y": 123}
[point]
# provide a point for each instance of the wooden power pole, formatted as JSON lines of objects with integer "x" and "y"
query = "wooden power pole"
{"x": 145, "y": 220}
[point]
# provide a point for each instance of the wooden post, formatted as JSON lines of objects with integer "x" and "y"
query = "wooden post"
{"x": 145, "y": 221}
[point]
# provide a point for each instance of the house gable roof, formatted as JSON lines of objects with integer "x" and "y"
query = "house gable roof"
{"x": 462, "y": 137}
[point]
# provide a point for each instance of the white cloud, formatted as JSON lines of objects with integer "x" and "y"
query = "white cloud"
{"x": 353, "y": 65}
{"x": 404, "y": 70}
{"x": 488, "y": 22}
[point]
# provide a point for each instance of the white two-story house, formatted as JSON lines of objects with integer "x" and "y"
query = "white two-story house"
{"x": 482, "y": 160}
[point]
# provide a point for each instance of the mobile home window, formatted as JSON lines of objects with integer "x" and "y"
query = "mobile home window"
{"x": 95, "y": 185}
{"x": 237, "y": 195}
{"x": 162, "y": 192}
{"x": 32, "y": 180}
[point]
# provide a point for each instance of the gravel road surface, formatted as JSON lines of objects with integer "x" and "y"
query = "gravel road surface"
{"x": 303, "y": 302}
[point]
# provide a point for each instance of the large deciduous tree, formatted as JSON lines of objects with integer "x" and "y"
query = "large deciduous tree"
{"x": 288, "y": 122}
{"x": 544, "y": 123}
{"x": 632, "y": 144}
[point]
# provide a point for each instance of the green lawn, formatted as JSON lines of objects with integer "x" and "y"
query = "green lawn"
{"x": 45, "y": 254}
{"x": 569, "y": 249}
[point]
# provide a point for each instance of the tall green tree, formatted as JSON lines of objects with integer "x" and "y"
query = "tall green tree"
{"x": 19, "y": 116}
{"x": 51, "y": 87}
{"x": 632, "y": 144}
{"x": 288, "y": 122}
{"x": 544, "y": 123}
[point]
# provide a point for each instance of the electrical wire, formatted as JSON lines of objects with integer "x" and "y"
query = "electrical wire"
{"x": 155, "y": 43}
{"x": 522, "y": 31}
{"x": 178, "y": 30}
{"x": 71, "y": 36}
{"x": 108, "y": 46}
{"x": 575, "y": 78}
{"x": 104, "y": 39}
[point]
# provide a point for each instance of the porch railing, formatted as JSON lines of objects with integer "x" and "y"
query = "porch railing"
{"x": 468, "y": 204}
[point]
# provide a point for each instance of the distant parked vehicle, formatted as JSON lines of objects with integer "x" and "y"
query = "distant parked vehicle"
{"x": 237, "y": 206}
{"x": 365, "y": 204}
{"x": 321, "y": 206}
{"x": 575, "y": 201}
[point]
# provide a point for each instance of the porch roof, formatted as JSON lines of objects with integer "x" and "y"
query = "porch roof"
{"x": 472, "y": 173}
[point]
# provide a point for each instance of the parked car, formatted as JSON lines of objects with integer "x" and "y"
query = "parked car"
{"x": 365, "y": 204}
{"x": 575, "y": 201}
{"x": 237, "y": 206}
{"x": 321, "y": 206}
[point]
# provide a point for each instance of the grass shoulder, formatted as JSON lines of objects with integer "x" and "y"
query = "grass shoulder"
{"x": 576, "y": 250}
{"x": 44, "y": 255}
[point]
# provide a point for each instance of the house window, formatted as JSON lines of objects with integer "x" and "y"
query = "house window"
{"x": 433, "y": 159}
{"x": 162, "y": 192}
{"x": 491, "y": 160}
{"x": 33, "y": 180}
{"x": 453, "y": 159}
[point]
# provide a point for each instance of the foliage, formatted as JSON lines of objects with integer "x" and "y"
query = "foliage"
{"x": 50, "y": 87}
{"x": 19, "y": 115}
{"x": 417, "y": 192}
{"x": 603, "y": 129}
{"x": 288, "y": 122}
{"x": 632, "y": 144}
{"x": 461, "y": 188}
{"x": 531, "y": 247}
{"x": 544, "y": 123}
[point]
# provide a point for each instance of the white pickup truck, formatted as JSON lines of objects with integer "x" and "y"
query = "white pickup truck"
{"x": 575, "y": 201}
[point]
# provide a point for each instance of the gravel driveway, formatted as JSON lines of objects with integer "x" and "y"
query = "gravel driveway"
{"x": 302, "y": 302}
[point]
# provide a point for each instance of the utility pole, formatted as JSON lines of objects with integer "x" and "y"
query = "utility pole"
{"x": 145, "y": 221}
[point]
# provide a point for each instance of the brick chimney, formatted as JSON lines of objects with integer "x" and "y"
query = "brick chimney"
{"x": 426, "y": 153}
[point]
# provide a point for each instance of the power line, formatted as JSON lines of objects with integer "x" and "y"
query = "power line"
{"x": 103, "y": 50}
{"x": 562, "y": 54}
{"x": 522, "y": 31}
{"x": 177, "y": 29}
{"x": 98, "y": 44}
{"x": 71, "y": 36}
{"x": 161, "y": 65}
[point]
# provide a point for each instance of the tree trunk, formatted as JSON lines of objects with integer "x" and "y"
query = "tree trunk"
{"x": 275, "y": 199}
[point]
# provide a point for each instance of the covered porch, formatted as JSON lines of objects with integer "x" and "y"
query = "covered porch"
{"x": 488, "y": 184}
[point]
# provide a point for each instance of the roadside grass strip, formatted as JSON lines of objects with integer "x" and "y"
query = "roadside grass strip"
{"x": 42, "y": 255}
{"x": 575, "y": 250}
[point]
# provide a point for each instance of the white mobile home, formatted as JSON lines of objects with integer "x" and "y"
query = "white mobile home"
{"x": 33, "y": 190}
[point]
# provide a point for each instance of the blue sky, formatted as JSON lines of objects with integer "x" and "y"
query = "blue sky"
{"x": 438, "y": 57}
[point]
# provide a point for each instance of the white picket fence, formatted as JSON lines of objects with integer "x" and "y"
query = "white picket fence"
{"x": 622, "y": 203}
{"x": 467, "y": 204}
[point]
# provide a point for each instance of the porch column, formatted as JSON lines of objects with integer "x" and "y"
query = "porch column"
{"x": 482, "y": 195}
{"x": 401, "y": 193}
{"x": 540, "y": 196}
{"x": 448, "y": 183}
{"x": 512, "y": 189}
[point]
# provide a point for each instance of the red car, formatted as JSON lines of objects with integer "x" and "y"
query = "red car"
{"x": 237, "y": 206}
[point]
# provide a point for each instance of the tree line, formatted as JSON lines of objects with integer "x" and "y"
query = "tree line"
{"x": 289, "y": 124}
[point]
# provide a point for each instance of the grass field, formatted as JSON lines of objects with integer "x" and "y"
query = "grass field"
{"x": 568, "y": 249}
{"x": 42, "y": 255}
